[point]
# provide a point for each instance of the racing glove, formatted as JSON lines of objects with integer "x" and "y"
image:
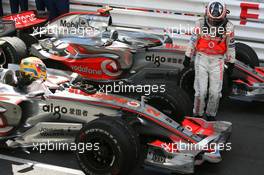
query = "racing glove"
{"x": 187, "y": 61}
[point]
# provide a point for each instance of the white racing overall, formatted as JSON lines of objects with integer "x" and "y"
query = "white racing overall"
{"x": 210, "y": 53}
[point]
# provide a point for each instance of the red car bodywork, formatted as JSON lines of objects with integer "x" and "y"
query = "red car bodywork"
{"x": 25, "y": 20}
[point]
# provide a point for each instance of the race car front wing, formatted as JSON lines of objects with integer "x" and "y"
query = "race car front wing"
{"x": 180, "y": 157}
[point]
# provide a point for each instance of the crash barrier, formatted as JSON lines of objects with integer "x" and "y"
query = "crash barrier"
{"x": 179, "y": 15}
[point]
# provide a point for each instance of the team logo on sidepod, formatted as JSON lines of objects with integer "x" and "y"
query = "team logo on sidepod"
{"x": 133, "y": 104}
{"x": 110, "y": 63}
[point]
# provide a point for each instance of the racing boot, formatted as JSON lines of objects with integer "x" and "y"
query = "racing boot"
{"x": 198, "y": 116}
{"x": 209, "y": 118}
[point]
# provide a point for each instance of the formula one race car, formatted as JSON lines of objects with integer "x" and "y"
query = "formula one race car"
{"x": 118, "y": 133}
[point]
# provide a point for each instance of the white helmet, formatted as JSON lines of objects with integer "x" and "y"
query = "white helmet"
{"x": 216, "y": 12}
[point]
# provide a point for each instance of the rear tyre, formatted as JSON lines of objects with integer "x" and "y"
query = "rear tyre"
{"x": 247, "y": 55}
{"x": 117, "y": 150}
{"x": 14, "y": 50}
{"x": 186, "y": 82}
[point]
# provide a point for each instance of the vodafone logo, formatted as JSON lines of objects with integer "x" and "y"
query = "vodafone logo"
{"x": 109, "y": 67}
{"x": 133, "y": 104}
{"x": 23, "y": 19}
{"x": 86, "y": 70}
{"x": 188, "y": 128}
{"x": 211, "y": 44}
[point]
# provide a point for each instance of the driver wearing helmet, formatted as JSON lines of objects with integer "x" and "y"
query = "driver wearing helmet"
{"x": 211, "y": 45}
{"x": 33, "y": 73}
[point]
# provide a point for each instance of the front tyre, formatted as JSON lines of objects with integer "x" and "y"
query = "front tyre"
{"x": 171, "y": 100}
{"x": 117, "y": 149}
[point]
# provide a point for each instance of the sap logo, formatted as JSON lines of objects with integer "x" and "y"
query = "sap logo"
{"x": 155, "y": 59}
{"x": 65, "y": 23}
{"x": 56, "y": 110}
{"x": 86, "y": 70}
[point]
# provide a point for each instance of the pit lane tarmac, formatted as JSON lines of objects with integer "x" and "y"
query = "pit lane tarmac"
{"x": 246, "y": 156}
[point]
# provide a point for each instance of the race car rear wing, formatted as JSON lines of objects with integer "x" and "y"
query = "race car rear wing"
{"x": 23, "y": 20}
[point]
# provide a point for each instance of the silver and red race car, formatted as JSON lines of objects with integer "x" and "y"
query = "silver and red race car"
{"x": 87, "y": 43}
{"x": 120, "y": 132}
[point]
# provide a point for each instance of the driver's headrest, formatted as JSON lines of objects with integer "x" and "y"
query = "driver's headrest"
{"x": 8, "y": 77}
{"x": 7, "y": 27}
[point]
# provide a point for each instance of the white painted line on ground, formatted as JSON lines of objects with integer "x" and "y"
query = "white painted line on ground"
{"x": 42, "y": 165}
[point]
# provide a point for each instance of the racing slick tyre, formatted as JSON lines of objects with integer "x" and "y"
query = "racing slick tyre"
{"x": 186, "y": 80}
{"x": 247, "y": 55}
{"x": 117, "y": 151}
{"x": 14, "y": 50}
{"x": 172, "y": 101}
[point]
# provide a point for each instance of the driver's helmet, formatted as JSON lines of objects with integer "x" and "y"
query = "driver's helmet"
{"x": 32, "y": 68}
{"x": 216, "y": 12}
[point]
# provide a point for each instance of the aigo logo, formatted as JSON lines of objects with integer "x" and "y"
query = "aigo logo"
{"x": 157, "y": 60}
{"x": 55, "y": 110}
{"x": 110, "y": 68}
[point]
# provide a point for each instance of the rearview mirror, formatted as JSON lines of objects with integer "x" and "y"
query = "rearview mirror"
{"x": 36, "y": 94}
{"x": 114, "y": 35}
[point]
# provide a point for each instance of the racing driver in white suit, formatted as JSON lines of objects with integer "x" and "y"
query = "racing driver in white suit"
{"x": 211, "y": 45}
